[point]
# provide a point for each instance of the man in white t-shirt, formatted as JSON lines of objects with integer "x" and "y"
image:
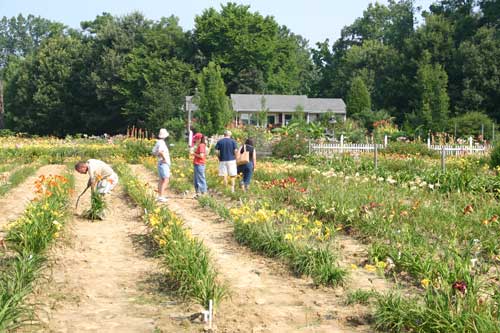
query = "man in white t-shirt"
{"x": 102, "y": 178}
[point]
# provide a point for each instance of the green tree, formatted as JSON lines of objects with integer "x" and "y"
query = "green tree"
{"x": 358, "y": 99}
{"x": 213, "y": 105}
{"x": 478, "y": 60}
{"x": 255, "y": 53}
{"x": 433, "y": 107}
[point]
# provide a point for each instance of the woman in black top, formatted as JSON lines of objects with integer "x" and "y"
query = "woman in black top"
{"x": 248, "y": 169}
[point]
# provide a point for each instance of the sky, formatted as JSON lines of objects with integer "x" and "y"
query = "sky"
{"x": 316, "y": 20}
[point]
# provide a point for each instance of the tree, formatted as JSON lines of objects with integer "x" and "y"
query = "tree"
{"x": 479, "y": 64}
{"x": 433, "y": 108}
{"x": 213, "y": 105}
{"x": 20, "y": 36}
{"x": 255, "y": 53}
{"x": 358, "y": 99}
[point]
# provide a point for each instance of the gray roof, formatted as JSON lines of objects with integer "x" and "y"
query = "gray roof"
{"x": 273, "y": 103}
{"x": 280, "y": 103}
{"x": 335, "y": 105}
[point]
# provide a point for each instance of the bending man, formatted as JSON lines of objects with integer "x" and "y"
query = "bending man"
{"x": 102, "y": 178}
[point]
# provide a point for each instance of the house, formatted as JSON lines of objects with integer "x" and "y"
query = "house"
{"x": 278, "y": 109}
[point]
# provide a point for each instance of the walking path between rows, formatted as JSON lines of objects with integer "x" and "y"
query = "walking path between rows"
{"x": 14, "y": 202}
{"x": 265, "y": 296}
{"x": 104, "y": 279}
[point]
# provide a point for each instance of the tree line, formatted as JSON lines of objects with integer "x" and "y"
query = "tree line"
{"x": 116, "y": 72}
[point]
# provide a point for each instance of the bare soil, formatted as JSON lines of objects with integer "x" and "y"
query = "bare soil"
{"x": 265, "y": 296}
{"x": 104, "y": 277}
{"x": 13, "y": 203}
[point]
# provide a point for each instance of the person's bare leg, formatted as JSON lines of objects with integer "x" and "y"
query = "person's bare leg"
{"x": 225, "y": 181}
{"x": 233, "y": 179}
{"x": 164, "y": 186}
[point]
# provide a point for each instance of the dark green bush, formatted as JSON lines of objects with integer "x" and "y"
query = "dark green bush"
{"x": 291, "y": 146}
{"x": 404, "y": 148}
{"x": 495, "y": 156}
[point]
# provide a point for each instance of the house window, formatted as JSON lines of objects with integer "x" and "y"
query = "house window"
{"x": 271, "y": 119}
{"x": 288, "y": 118}
{"x": 313, "y": 117}
{"x": 244, "y": 119}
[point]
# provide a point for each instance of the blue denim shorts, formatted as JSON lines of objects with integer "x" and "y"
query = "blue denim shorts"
{"x": 164, "y": 170}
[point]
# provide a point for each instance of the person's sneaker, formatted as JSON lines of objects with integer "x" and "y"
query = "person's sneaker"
{"x": 161, "y": 199}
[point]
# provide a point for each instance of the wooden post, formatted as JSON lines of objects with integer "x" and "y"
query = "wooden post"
{"x": 470, "y": 144}
{"x": 385, "y": 141}
{"x": 443, "y": 159}
{"x": 375, "y": 155}
{"x": 429, "y": 142}
{"x": 342, "y": 143}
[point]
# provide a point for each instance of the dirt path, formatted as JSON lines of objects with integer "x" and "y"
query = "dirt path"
{"x": 13, "y": 203}
{"x": 266, "y": 298}
{"x": 103, "y": 277}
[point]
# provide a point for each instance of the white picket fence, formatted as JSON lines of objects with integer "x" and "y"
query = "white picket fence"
{"x": 326, "y": 149}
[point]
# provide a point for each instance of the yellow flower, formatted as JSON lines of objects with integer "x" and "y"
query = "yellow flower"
{"x": 354, "y": 266}
{"x": 381, "y": 264}
{"x": 288, "y": 237}
{"x": 370, "y": 268}
{"x": 163, "y": 242}
{"x": 425, "y": 283}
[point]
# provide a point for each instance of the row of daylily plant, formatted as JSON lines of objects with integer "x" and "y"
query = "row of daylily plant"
{"x": 189, "y": 265}
{"x": 446, "y": 244}
{"x": 25, "y": 244}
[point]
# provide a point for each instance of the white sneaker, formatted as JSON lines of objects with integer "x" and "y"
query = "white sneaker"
{"x": 161, "y": 199}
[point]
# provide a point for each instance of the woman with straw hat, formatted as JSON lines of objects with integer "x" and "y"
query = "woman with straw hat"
{"x": 161, "y": 151}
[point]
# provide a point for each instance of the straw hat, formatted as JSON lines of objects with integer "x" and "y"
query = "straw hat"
{"x": 163, "y": 134}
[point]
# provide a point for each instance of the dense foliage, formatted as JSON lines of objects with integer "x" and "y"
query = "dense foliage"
{"x": 116, "y": 72}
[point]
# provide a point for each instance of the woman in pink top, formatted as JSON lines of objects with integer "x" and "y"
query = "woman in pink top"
{"x": 199, "y": 160}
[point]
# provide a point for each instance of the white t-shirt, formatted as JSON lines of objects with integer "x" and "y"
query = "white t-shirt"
{"x": 159, "y": 147}
{"x": 99, "y": 170}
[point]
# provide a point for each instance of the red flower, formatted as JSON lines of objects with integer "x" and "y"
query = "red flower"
{"x": 460, "y": 286}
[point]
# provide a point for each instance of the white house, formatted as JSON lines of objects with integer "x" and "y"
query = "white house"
{"x": 279, "y": 108}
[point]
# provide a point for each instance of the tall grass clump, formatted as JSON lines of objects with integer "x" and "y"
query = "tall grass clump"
{"x": 190, "y": 267}
{"x": 27, "y": 239}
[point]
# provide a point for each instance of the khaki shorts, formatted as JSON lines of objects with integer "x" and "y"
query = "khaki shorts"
{"x": 228, "y": 168}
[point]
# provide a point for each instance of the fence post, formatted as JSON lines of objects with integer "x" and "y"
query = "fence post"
{"x": 385, "y": 141}
{"x": 429, "y": 142}
{"x": 470, "y": 144}
{"x": 375, "y": 155}
{"x": 342, "y": 143}
{"x": 443, "y": 159}
{"x": 309, "y": 146}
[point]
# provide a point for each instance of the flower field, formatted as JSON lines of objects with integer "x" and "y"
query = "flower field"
{"x": 432, "y": 235}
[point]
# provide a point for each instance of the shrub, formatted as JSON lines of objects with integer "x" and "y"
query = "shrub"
{"x": 290, "y": 146}
{"x": 403, "y": 148}
{"x": 495, "y": 156}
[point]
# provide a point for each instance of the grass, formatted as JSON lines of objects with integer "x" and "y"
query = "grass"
{"x": 17, "y": 177}
{"x": 360, "y": 296}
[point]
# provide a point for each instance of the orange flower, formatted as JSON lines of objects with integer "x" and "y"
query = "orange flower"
{"x": 468, "y": 209}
